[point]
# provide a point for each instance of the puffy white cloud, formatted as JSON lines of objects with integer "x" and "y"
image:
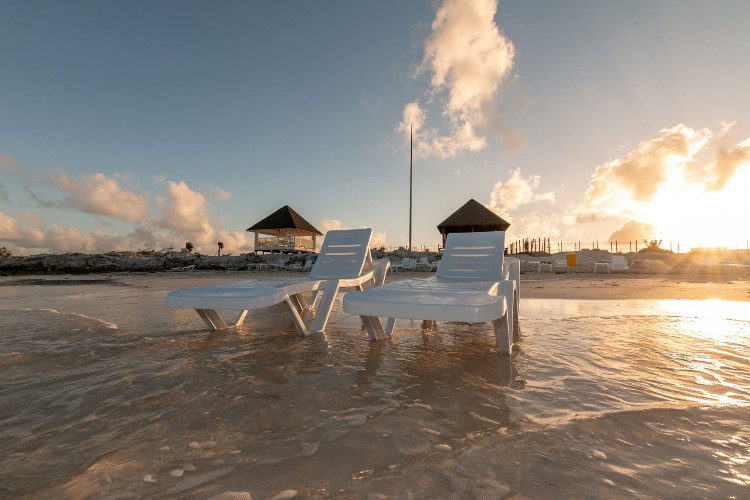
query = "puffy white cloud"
{"x": 235, "y": 242}
{"x": 633, "y": 231}
{"x": 330, "y": 225}
{"x": 184, "y": 212}
{"x": 517, "y": 191}
{"x": 619, "y": 185}
{"x": 468, "y": 57}
{"x": 377, "y": 240}
{"x": 535, "y": 225}
{"x": 99, "y": 195}
{"x": 23, "y": 237}
{"x": 725, "y": 165}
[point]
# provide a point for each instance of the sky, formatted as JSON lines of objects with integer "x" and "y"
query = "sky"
{"x": 145, "y": 125}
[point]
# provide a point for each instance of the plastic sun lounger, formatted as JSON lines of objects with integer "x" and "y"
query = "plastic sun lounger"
{"x": 344, "y": 261}
{"x": 469, "y": 287}
{"x": 619, "y": 263}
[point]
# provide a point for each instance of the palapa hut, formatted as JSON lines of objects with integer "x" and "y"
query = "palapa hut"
{"x": 285, "y": 232}
{"x": 473, "y": 217}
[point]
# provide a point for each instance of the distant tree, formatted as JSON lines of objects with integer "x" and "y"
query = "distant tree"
{"x": 221, "y": 245}
{"x": 653, "y": 247}
{"x": 4, "y": 252}
{"x": 189, "y": 247}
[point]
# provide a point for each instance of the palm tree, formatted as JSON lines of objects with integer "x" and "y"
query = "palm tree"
{"x": 189, "y": 247}
{"x": 221, "y": 245}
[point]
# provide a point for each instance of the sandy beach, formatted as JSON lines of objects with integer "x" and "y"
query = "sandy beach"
{"x": 584, "y": 286}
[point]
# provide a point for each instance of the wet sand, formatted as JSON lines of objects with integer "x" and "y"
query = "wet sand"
{"x": 583, "y": 286}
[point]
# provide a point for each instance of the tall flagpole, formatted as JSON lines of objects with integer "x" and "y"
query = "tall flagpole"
{"x": 411, "y": 170}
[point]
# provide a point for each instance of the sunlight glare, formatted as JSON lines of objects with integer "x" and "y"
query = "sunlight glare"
{"x": 684, "y": 211}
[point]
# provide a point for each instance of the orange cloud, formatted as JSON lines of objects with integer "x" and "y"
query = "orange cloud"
{"x": 468, "y": 57}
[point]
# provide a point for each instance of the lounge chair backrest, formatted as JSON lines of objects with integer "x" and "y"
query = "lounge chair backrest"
{"x": 473, "y": 257}
{"x": 618, "y": 262}
{"x": 343, "y": 254}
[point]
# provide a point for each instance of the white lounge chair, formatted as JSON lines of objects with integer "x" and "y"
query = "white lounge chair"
{"x": 560, "y": 265}
{"x": 279, "y": 265}
{"x": 344, "y": 261}
{"x": 425, "y": 265}
{"x": 619, "y": 263}
{"x": 469, "y": 287}
{"x": 406, "y": 264}
{"x": 184, "y": 268}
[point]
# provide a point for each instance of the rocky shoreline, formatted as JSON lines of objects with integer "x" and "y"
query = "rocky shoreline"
{"x": 158, "y": 261}
{"x": 144, "y": 261}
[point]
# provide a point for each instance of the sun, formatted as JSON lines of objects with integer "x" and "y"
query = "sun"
{"x": 684, "y": 212}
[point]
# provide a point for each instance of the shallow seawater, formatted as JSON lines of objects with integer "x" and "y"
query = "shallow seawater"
{"x": 105, "y": 393}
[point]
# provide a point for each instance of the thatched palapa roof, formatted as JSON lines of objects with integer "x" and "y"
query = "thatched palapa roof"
{"x": 283, "y": 221}
{"x": 473, "y": 217}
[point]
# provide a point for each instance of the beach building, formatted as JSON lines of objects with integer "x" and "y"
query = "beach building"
{"x": 472, "y": 217}
{"x": 284, "y": 231}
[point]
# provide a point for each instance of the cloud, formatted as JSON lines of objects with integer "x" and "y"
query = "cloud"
{"x": 633, "y": 231}
{"x": 58, "y": 239}
{"x": 8, "y": 164}
{"x": 618, "y": 185}
{"x": 468, "y": 58}
{"x": 184, "y": 213}
{"x": 96, "y": 194}
{"x": 330, "y": 225}
{"x": 215, "y": 193}
{"x": 517, "y": 191}
{"x": 377, "y": 240}
{"x": 33, "y": 219}
{"x": 18, "y": 234}
{"x": 726, "y": 164}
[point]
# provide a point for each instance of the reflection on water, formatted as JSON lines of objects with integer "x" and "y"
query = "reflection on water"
{"x": 600, "y": 399}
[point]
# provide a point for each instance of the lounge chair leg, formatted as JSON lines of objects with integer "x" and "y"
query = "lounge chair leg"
{"x": 508, "y": 289}
{"x": 374, "y": 327}
{"x": 516, "y": 322}
{"x": 317, "y": 294}
{"x": 304, "y": 306}
{"x": 298, "y": 302}
{"x": 241, "y": 318}
{"x": 390, "y": 326}
{"x": 296, "y": 318}
{"x": 212, "y": 319}
{"x": 502, "y": 334}
{"x": 326, "y": 304}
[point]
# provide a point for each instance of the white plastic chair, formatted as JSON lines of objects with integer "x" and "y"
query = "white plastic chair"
{"x": 343, "y": 261}
{"x": 469, "y": 287}
{"x": 279, "y": 264}
{"x": 619, "y": 263}
{"x": 560, "y": 265}
{"x": 409, "y": 265}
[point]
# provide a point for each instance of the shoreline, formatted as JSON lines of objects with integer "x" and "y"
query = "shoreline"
{"x": 581, "y": 286}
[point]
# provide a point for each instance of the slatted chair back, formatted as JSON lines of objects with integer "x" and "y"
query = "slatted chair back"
{"x": 472, "y": 257}
{"x": 343, "y": 254}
